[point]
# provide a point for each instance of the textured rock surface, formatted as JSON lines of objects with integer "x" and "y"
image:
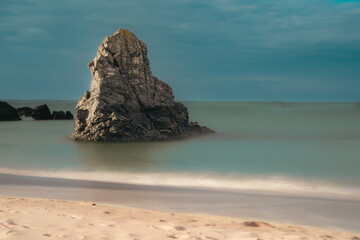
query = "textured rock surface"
{"x": 42, "y": 112}
{"x": 126, "y": 102}
{"x": 8, "y": 113}
{"x": 25, "y": 111}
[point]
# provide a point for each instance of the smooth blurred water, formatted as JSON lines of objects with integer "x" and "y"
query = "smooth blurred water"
{"x": 254, "y": 140}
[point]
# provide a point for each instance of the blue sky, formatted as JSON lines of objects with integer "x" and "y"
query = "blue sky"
{"x": 277, "y": 50}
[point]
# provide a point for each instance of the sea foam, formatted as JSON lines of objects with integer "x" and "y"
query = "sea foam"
{"x": 266, "y": 183}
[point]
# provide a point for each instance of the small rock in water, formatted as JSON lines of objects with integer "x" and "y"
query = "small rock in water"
{"x": 25, "y": 111}
{"x": 58, "y": 115}
{"x": 68, "y": 115}
{"x": 42, "y": 112}
{"x": 8, "y": 113}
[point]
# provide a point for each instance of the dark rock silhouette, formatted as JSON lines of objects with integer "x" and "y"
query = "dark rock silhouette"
{"x": 68, "y": 115}
{"x": 126, "y": 102}
{"x": 25, "y": 111}
{"x": 8, "y": 113}
{"x": 42, "y": 112}
{"x": 58, "y": 115}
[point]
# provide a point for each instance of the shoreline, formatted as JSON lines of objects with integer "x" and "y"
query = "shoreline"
{"x": 273, "y": 184}
{"x": 325, "y": 212}
{"x": 31, "y": 218}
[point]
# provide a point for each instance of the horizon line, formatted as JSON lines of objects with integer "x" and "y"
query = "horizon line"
{"x": 212, "y": 100}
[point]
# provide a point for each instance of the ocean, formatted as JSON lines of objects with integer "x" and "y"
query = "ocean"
{"x": 309, "y": 147}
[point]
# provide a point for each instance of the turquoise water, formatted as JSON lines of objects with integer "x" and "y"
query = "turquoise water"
{"x": 258, "y": 145}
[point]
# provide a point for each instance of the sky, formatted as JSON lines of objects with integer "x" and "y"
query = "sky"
{"x": 220, "y": 50}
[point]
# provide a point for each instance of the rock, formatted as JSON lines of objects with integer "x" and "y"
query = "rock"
{"x": 126, "y": 102}
{"x": 257, "y": 224}
{"x": 8, "y": 113}
{"x": 58, "y": 115}
{"x": 25, "y": 111}
{"x": 68, "y": 115}
{"x": 42, "y": 112}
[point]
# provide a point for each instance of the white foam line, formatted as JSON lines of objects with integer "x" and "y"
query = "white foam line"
{"x": 213, "y": 180}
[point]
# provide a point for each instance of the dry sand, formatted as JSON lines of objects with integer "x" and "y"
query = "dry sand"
{"x": 33, "y": 219}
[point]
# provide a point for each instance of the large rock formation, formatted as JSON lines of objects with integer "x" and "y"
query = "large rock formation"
{"x": 126, "y": 102}
{"x": 8, "y": 113}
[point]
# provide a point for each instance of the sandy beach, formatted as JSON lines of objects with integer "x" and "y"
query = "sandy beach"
{"x": 335, "y": 212}
{"x": 50, "y": 208}
{"x": 26, "y": 218}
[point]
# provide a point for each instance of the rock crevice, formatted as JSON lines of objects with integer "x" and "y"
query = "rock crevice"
{"x": 126, "y": 102}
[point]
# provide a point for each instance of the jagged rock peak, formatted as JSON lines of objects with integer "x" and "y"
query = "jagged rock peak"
{"x": 126, "y": 102}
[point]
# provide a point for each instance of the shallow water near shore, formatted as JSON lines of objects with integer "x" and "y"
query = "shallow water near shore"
{"x": 284, "y": 146}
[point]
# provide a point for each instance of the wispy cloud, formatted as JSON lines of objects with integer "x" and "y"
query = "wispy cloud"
{"x": 27, "y": 34}
{"x": 272, "y": 45}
